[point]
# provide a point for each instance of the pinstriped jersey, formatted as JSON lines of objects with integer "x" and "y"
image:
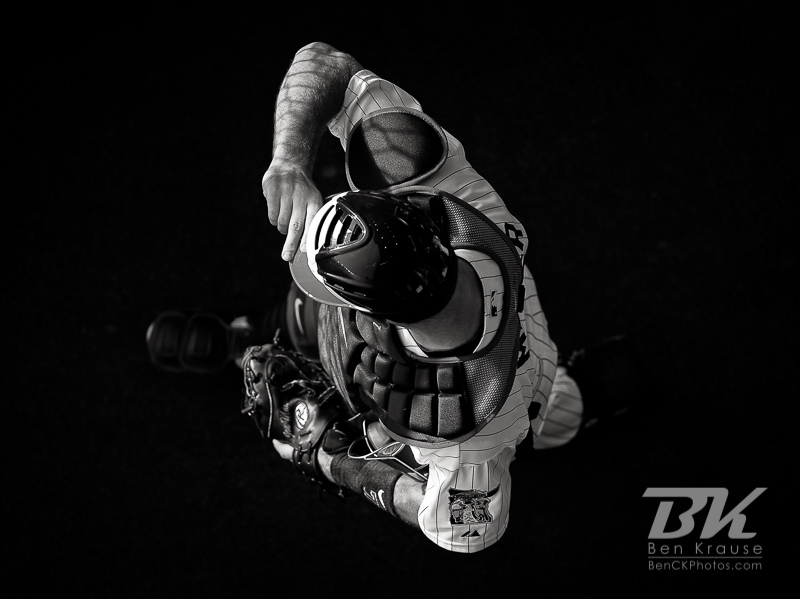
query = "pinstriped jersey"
{"x": 467, "y": 498}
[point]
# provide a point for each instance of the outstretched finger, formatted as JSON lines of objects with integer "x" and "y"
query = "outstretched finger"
{"x": 271, "y": 192}
{"x": 293, "y": 235}
{"x": 287, "y": 210}
{"x": 314, "y": 204}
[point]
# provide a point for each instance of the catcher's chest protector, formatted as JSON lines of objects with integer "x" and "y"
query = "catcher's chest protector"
{"x": 441, "y": 402}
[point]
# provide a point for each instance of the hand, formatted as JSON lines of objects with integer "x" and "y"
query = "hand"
{"x": 292, "y": 201}
{"x": 284, "y": 449}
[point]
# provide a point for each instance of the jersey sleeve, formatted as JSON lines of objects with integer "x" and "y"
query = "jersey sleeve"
{"x": 466, "y": 505}
{"x": 468, "y": 495}
{"x": 368, "y": 95}
{"x": 388, "y": 140}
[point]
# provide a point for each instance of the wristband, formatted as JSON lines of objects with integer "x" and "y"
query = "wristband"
{"x": 371, "y": 478}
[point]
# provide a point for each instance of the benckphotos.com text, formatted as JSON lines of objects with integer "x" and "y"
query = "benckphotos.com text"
{"x": 702, "y": 565}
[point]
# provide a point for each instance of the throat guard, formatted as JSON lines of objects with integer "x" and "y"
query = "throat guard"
{"x": 440, "y": 402}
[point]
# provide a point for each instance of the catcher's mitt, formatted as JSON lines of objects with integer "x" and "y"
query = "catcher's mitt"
{"x": 293, "y": 400}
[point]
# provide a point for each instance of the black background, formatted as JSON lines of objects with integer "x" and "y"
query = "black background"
{"x": 648, "y": 153}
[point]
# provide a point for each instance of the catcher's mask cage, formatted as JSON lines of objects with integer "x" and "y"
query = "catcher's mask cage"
{"x": 379, "y": 253}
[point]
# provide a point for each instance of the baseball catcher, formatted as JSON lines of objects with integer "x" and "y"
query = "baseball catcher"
{"x": 414, "y": 358}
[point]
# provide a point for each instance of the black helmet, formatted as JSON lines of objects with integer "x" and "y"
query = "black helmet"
{"x": 380, "y": 253}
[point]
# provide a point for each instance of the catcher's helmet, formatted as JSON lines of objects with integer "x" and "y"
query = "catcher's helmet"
{"x": 379, "y": 253}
